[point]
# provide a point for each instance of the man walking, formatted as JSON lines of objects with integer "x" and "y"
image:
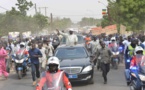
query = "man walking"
{"x": 104, "y": 54}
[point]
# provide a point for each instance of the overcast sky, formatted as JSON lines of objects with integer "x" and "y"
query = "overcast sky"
{"x": 74, "y": 9}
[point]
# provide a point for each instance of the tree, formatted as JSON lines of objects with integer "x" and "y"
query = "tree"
{"x": 133, "y": 13}
{"x": 14, "y": 21}
{"x": 62, "y": 23}
{"x": 112, "y": 16}
{"x": 105, "y": 21}
{"x": 41, "y": 20}
{"x": 89, "y": 21}
{"x": 23, "y": 6}
{"x": 130, "y": 13}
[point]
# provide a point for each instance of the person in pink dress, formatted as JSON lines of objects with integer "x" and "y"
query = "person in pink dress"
{"x": 3, "y": 55}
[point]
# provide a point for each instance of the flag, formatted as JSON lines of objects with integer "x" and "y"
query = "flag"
{"x": 104, "y": 11}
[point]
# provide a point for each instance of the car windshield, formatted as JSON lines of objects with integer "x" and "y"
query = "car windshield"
{"x": 71, "y": 53}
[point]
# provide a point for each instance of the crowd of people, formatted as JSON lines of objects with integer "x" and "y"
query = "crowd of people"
{"x": 40, "y": 52}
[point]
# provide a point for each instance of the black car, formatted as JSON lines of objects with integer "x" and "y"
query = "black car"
{"x": 76, "y": 62}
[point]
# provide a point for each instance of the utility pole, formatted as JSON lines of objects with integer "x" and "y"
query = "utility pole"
{"x": 35, "y": 8}
{"x": 108, "y": 11}
{"x": 51, "y": 22}
{"x": 43, "y": 8}
{"x": 45, "y": 11}
{"x": 39, "y": 10}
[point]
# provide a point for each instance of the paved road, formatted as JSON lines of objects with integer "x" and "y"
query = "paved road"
{"x": 116, "y": 81}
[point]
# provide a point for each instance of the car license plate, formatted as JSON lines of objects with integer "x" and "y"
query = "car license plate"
{"x": 73, "y": 76}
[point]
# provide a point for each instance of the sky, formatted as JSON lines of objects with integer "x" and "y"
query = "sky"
{"x": 74, "y": 9}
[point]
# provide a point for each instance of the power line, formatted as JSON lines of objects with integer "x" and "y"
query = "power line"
{"x": 43, "y": 8}
{"x": 79, "y": 15}
{"x": 31, "y": 8}
{"x": 3, "y": 8}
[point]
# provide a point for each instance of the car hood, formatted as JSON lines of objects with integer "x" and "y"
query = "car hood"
{"x": 75, "y": 62}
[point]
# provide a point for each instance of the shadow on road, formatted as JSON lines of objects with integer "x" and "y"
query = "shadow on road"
{"x": 79, "y": 84}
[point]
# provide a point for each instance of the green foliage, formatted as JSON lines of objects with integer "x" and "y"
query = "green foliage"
{"x": 105, "y": 21}
{"x": 62, "y": 23}
{"x": 89, "y": 22}
{"x": 14, "y": 21}
{"x": 130, "y": 13}
{"x": 41, "y": 20}
{"x": 23, "y": 6}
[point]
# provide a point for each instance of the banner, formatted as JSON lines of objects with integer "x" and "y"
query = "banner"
{"x": 26, "y": 34}
{"x": 13, "y": 35}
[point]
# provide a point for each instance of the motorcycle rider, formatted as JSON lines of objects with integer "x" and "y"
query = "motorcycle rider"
{"x": 130, "y": 51}
{"x": 136, "y": 60}
{"x": 113, "y": 42}
{"x": 126, "y": 43}
{"x": 139, "y": 51}
{"x": 54, "y": 78}
{"x": 114, "y": 47}
{"x": 22, "y": 49}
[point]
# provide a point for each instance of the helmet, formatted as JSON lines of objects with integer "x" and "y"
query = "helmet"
{"x": 113, "y": 38}
{"x": 71, "y": 29}
{"x": 53, "y": 64}
{"x": 53, "y": 60}
{"x": 138, "y": 48}
{"x": 22, "y": 43}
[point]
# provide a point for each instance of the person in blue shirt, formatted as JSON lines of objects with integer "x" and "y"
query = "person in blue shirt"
{"x": 34, "y": 54}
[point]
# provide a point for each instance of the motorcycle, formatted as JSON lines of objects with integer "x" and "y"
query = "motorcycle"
{"x": 138, "y": 76}
{"x": 127, "y": 73}
{"x": 121, "y": 50}
{"x": 115, "y": 57}
{"x": 21, "y": 65}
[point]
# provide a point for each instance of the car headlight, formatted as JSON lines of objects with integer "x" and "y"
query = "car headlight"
{"x": 19, "y": 61}
{"x": 88, "y": 68}
{"x": 117, "y": 53}
{"x": 142, "y": 77}
{"x": 113, "y": 53}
